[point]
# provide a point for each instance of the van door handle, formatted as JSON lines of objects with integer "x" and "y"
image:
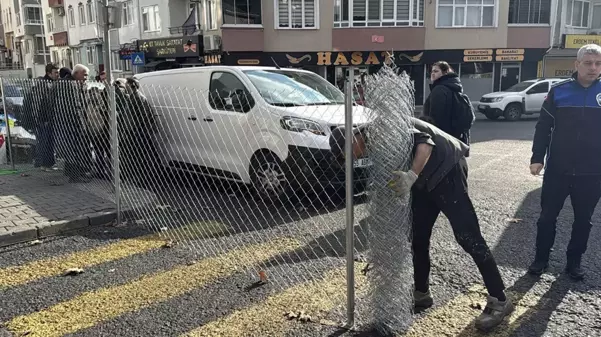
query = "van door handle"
{"x": 208, "y": 119}
{"x": 192, "y": 118}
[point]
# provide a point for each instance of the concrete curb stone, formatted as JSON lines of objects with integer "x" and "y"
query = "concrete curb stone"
{"x": 53, "y": 228}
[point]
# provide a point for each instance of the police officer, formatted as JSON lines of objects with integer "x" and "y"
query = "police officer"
{"x": 567, "y": 133}
{"x": 438, "y": 181}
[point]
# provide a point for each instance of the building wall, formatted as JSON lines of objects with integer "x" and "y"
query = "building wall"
{"x": 79, "y": 32}
{"x": 466, "y": 38}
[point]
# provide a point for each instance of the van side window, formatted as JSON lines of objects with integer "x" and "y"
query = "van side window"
{"x": 228, "y": 93}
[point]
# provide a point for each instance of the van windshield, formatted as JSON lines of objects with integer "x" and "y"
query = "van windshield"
{"x": 294, "y": 88}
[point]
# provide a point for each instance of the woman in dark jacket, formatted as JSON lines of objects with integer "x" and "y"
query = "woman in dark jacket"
{"x": 438, "y": 108}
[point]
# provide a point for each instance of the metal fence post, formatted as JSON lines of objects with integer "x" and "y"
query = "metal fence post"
{"x": 350, "y": 234}
{"x": 7, "y": 122}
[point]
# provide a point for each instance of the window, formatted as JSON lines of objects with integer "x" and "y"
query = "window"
{"x": 40, "y": 45}
{"x": 128, "y": 13}
{"x": 292, "y": 88}
{"x": 91, "y": 9}
{"x": 151, "y": 20}
{"x": 297, "y": 13}
{"x": 227, "y": 92}
{"x": 71, "y": 17}
{"x": 529, "y": 11}
{"x": 596, "y": 23}
{"x": 462, "y": 13}
{"x": 191, "y": 6}
{"x": 50, "y": 23}
{"x": 116, "y": 61}
{"x": 541, "y": 88}
{"x": 54, "y": 57}
{"x": 90, "y": 54}
{"x": 378, "y": 13}
{"x": 82, "y": 14}
{"x": 577, "y": 15}
{"x": 33, "y": 15}
{"x": 242, "y": 12}
{"x": 18, "y": 16}
{"x": 27, "y": 46}
{"x": 210, "y": 14}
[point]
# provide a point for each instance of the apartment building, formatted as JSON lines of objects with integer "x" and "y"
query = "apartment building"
{"x": 577, "y": 23}
{"x": 57, "y": 37}
{"x": 24, "y": 35}
{"x": 492, "y": 44}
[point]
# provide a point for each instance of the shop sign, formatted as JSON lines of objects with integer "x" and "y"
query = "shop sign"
{"x": 356, "y": 58}
{"x": 563, "y": 67}
{"x": 509, "y": 58}
{"x": 187, "y": 46}
{"x": 477, "y": 52}
{"x": 477, "y": 58}
{"x": 576, "y": 41}
{"x": 212, "y": 59}
{"x": 510, "y": 52}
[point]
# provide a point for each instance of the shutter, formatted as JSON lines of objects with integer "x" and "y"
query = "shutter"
{"x": 359, "y": 7}
{"x": 388, "y": 9}
{"x": 373, "y": 10}
{"x": 310, "y": 13}
{"x": 283, "y": 18}
{"x": 402, "y": 10}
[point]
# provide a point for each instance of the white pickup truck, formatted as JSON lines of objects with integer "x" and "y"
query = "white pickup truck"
{"x": 524, "y": 98}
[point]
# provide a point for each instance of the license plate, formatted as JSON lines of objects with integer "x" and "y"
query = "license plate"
{"x": 362, "y": 162}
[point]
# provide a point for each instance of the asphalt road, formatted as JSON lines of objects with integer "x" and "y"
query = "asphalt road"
{"x": 135, "y": 283}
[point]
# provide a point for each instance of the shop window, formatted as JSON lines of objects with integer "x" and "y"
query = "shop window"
{"x": 529, "y": 12}
{"x": 577, "y": 13}
{"x": 228, "y": 93}
{"x": 462, "y": 13}
{"x": 378, "y": 13}
{"x": 477, "y": 79}
{"x": 241, "y": 12}
{"x": 297, "y": 13}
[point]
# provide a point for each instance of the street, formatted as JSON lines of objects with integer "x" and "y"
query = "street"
{"x": 126, "y": 281}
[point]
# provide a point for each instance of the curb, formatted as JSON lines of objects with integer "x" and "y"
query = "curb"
{"x": 53, "y": 228}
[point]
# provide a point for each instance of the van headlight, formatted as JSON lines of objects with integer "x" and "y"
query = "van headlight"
{"x": 300, "y": 124}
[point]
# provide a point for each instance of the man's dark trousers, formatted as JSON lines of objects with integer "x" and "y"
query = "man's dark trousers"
{"x": 584, "y": 192}
{"x": 451, "y": 197}
{"x": 45, "y": 145}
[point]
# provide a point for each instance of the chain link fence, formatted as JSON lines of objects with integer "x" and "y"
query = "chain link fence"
{"x": 231, "y": 159}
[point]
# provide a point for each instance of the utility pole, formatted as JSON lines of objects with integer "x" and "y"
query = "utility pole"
{"x": 106, "y": 26}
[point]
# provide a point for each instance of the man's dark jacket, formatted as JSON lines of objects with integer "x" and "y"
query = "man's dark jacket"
{"x": 447, "y": 152}
{"x": 37, "y": 109}
{"x": 568, "y": 131}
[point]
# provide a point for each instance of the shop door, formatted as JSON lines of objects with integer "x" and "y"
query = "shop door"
{"x": 510, "y": 75}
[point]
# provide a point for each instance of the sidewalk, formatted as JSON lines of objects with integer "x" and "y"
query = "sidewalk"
{"x": 33, "y": 206}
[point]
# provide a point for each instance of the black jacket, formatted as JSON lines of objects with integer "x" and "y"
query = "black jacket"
{"x": 439, "y": 104}
{"x": 36, "y": 105}
{"x": 568, "y": 129}
{"x": 447, "y": 153}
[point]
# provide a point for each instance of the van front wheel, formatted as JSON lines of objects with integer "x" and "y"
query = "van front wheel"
{"x": 268, "y": 177}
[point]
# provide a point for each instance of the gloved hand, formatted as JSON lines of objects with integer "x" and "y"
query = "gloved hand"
{"x": 402, "y": 182}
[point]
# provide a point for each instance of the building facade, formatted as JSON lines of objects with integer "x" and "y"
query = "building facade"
{"x": 577, "y": 22}
{"x": 492, "y": 44}
{"x": 24, "y": 35}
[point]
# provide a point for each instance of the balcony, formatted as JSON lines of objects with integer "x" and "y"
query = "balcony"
{"x": 57, "y": 29}
{"x": 55, "y": 3}
{"x": 60, "y": 39}
{"x": 185, "y": 30}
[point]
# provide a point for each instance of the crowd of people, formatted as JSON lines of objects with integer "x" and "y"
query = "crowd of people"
{"x": 71, "y": 119}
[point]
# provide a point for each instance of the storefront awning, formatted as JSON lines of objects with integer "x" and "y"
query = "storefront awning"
{"x": 557, "y": 52}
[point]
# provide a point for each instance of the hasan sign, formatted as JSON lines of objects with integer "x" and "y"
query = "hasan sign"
{"x": 356, "y": 58}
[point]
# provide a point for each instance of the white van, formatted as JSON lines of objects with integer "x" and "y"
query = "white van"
{"x": 264, "y": 126}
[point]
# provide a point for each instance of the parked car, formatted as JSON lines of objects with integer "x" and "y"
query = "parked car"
{"x": 524, "y": 98}
{"x": 263, "y": 126}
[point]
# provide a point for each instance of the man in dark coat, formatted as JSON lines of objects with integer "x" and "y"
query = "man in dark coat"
{"x": 70, "y": 124}
{"x": 437, "y": 176}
